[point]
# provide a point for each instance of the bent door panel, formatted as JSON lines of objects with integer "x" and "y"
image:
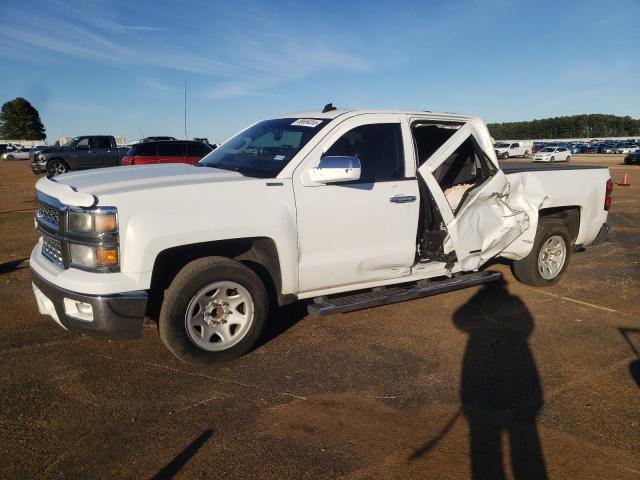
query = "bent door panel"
{"x": 473, "y": 194}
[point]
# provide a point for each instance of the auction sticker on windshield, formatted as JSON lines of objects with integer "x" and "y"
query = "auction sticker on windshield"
{"x": 307, "y": 122}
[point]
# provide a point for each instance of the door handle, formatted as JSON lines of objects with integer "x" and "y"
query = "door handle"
{"x": 403, "y": 199}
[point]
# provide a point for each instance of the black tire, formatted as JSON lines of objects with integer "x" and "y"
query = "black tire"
{"x": 526, "y": 153}
{"x": 568, "y": 158}
{"x": 185, "y": 286}
{"x": 9, "y": 157}
{"x": 552, "y": 159}
{"x": 505, "y": 155}
{"x": 56, "y": 167}
{"x": 526, "y": 270}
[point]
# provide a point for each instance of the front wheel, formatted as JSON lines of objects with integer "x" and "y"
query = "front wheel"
{"x": 552, "y": 159}
{"x": 56, "y": 167}
{"x": 214, "y": 310}
{"x": 9, "y": 157}
{"x": 549, "y": 256}
{"x": 568, "y": 158}
{"x": 505, "y": 155}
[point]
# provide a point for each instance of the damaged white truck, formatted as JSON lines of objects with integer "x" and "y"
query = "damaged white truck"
{"x": 352, "y": 209}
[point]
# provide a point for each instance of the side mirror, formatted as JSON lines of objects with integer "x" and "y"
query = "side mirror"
{"x": 336, "y": 169}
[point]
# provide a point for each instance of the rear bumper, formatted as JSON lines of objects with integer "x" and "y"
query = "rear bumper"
{"x": 116, "y": 317}
{"x": 603, "y": 234}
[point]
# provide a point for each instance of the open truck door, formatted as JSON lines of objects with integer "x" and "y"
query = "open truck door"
{"x": 472, "y": 194}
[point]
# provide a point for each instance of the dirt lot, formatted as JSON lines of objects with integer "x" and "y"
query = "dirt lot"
{"x": 383, "y": 393}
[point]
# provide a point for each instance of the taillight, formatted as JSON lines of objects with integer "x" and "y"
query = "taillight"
{"x": 608, "y": 199}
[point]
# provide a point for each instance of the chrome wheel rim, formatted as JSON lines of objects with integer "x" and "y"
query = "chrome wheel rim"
{"x": 57, "y": 168}
{"x": 551, "y": 257}
{"x": 219, "y": 316}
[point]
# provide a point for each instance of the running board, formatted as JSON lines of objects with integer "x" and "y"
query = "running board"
{"x": 324, "y": 306}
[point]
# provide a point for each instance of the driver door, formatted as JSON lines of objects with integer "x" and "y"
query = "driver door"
{"x": 364, "y": 230}
{"x": 473, "y": 195}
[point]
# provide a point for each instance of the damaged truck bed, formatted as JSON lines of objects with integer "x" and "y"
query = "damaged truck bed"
{"x": 351, "y": 208}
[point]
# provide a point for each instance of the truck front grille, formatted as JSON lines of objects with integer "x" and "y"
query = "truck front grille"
{"x": 53, "y": 249}
{"x": 48, "y": 214}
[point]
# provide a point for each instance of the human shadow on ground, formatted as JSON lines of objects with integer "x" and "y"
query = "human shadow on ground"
{"x": 500, "y": 390}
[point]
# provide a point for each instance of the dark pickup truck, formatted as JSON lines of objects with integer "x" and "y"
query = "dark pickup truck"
{"x": 79, "y": 153}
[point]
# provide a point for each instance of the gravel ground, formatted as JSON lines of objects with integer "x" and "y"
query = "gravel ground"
{"x": 393, "y": 392}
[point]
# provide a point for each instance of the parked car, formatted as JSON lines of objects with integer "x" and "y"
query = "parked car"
{"x": 514, "y": 149}
{"x": 553, "y": 154}
{"x": 157, "y": 139}
{"x": 628, "y": 148}
{"x": 325, "y": 205}
{"x": 632, "y": 158}
{"x": 21, "y": 153}
{"x": 606, "y": 148}
{"x": 179, "y": 151}
{"x": 79, "y": 153}
{"x": 6, "y": 147}
{"x": 578, "y": 148}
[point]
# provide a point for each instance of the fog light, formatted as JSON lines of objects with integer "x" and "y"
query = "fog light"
{"x": 78, "y": 310}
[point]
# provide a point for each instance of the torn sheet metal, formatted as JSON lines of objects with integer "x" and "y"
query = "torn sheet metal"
{"x": 488, "y": 225}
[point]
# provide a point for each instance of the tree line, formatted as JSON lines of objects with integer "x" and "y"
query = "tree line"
{"x": 577, "y": 126}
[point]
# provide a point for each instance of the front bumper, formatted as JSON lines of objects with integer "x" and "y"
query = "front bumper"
{"x": 116, "y": 316}
{"x": 39, "y": 167}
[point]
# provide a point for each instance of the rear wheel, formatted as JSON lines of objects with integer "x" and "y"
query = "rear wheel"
{"x": 549, "y": 256}
{"x": 526, "y": 153}
{"x": 9, "y": 157}
{"x": 214, "y": 310}
{"x": 56, "y": 167}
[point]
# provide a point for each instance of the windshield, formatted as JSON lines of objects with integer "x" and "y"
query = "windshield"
{"x": 548, "y": 149}
{"x": 71, "y": 142}
{"x": 502, "y": 145}
{"x": 264, "y": 149}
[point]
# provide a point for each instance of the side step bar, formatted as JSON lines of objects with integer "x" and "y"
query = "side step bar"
{"x": 324, "y": 306}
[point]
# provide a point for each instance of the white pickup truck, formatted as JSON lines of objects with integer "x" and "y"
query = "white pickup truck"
{"x": 350, "y": 208}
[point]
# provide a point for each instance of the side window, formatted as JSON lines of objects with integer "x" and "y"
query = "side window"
{"x": 100, "y": 142}
{"x": 377, "y": 146}
{"x": 84, "y": 143}
{"x": 197, "y": 149}
{"x": 466, "y": 168}
{"x": 429, "y": 137}
{"x": 171, "y": 149}
{"x": 143, "y": 150}
{"x": 515, "y": 145}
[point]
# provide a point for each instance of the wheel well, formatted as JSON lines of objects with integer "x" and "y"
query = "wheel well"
{"x": 570, "y": 215}
{"x": 259, "y": 254}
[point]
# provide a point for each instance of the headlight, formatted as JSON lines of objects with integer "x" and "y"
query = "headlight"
{"x": 92, "y": 222}
{"x": 93, "y": 256}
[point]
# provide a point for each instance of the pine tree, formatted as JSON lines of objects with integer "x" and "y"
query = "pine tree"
{"x": 19, "y": 120}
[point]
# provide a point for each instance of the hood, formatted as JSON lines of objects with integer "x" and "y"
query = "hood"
{"x": 117, "y": 180}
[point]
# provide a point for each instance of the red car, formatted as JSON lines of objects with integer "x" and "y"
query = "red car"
{"x": 175, "y": 151}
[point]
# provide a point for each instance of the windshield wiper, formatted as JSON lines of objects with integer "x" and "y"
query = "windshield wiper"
{"x": 222, "y": 166}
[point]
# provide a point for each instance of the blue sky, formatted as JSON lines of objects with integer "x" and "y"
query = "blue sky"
{"x": 119, "y": 66}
